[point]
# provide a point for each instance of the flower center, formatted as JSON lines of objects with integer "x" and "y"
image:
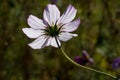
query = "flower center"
{"x": 52, "y": 31}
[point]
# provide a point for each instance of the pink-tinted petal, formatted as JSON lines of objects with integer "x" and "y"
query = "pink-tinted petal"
{"x": 66, "y": 36}
{"x": 38, "y": 43}
{"x": 67, "y": 16}
{"x": 32, "y": 33}
{"x": 35, "y": 22}
{"x": 51, "y": 14}
{"x": 71, "y": 26}
{"x": 54, "y": 43}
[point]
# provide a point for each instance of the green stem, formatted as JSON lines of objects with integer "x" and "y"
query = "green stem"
{"x": 88, "y": 68}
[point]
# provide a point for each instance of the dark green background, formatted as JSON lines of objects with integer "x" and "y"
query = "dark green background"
{"x": 99, "y": 35}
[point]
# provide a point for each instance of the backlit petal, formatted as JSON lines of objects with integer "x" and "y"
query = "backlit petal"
{"x": 51, "y": 14}
{"x": 54, "y": 43}
{"x": 32, "y": 33}
{"x": 67, "y": 16}
{"x": 35, "y": 22}
{"x": 38, "y": 43}
{"x": 66, "y": 36}
{"x": 49, "y": 41}
{"x": 71, "y": 26}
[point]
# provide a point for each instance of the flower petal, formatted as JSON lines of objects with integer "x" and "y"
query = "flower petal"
{"x": 51, "y": 14}
{"x": 66, "y": 36}
{"x": 67, "y": 16}
{"x": 72, "y": 26}
{"x": 49, "y": 41}
{"x": 35, "y": 22}
{"x": 54, "y": 43}
{"x": 38, "y": 43}
{"x": 32, "y": 33}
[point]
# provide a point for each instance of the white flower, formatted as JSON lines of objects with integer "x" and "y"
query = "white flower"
{"x": 45, "y": 31}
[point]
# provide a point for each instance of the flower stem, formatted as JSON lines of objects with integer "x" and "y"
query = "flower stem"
{"x": 81, "y": 66}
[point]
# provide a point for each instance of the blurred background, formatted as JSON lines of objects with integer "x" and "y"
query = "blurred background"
{"x": 99, "y": 35}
